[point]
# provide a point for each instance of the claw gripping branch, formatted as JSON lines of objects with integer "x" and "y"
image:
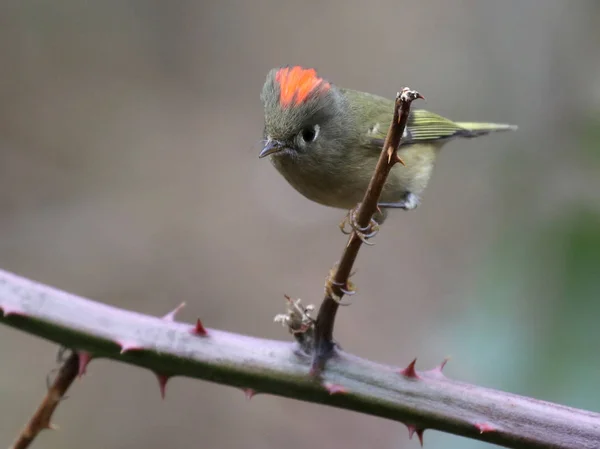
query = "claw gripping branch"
{"x": 362, "y": 229}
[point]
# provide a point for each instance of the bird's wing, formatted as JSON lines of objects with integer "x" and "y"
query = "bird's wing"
{"x": 423, "y": 126}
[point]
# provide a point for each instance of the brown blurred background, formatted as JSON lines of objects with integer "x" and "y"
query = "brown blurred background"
{"x": 129, "y": 134}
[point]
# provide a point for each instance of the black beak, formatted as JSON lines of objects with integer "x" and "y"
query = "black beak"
{"x": 272, "y": 146}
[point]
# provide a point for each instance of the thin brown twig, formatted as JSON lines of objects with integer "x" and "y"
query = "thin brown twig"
{"x": 41, "y": 418}
{"x": 338, "y": 282}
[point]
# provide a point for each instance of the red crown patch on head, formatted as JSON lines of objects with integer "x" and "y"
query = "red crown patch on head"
{"x": 296, "y": 84}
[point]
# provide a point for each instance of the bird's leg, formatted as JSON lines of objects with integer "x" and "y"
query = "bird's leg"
{"x": 365, "y": 233}
{"x": 410, "y": 201}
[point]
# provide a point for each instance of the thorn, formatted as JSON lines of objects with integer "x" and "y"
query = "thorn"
{"x": 438, "y": 370}
{"x": 171, "y": 315}
{"x": 379, "y": 210}
{"x": 390, "y": 153}
{"x": 84, "y": 358}
{"x": 249, "y": 393}
{"x": 335, "y": 388}
{"x": 162, "y": 384}
{"x": 393, "y": 157}
{"x": 199, "y": 329}
{"x": 419, "y": 433}
{"x": 51, "y": 426}
{"x": 127, "y": 346}
{"x": 442, "y": 365}
{"x": 484, "y": 427}
{"x": 412, "y": 429}
{"x": 410, "y": 371}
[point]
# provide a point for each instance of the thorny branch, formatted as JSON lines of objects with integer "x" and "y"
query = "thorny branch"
{"x": 56, "y": 391}
{"x": 420, "y": 399}
{"x": 338, "y": 283}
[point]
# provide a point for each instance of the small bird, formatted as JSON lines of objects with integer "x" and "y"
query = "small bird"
{"x": 325, "y": 140}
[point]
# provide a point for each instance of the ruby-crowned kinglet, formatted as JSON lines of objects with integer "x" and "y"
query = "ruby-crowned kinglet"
{"x": 325, "y": 140}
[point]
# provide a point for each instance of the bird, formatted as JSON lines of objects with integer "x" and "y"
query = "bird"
{"x": 325, "y": 140}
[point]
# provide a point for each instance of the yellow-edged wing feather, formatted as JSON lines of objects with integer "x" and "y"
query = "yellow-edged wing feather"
{"x": 424, "y": 126}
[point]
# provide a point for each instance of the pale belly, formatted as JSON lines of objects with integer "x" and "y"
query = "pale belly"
{"x": 345, "y": 191}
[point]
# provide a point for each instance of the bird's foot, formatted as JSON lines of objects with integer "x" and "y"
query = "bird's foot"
{"x": 363, "y": 233}
{"x": 410, "y": 201}
{"x": 331, "y": 285}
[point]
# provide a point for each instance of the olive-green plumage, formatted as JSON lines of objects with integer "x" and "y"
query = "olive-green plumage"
{"x": 327, "y": 145}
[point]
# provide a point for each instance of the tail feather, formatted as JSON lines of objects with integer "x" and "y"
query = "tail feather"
{"x": 425, "y": 126}
{"x": 475, "y": 129}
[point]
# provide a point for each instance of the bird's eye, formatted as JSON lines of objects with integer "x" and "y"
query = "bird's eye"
{"x": 309, "y": 134}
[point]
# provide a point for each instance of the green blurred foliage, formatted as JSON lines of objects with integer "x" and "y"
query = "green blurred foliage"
{"x": 568, "y": 362}
{"x": 590, "y": 137}
{"x": 533, "y": 325}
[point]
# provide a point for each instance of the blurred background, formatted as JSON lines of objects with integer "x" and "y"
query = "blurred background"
{"x": 129, "y": 135}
